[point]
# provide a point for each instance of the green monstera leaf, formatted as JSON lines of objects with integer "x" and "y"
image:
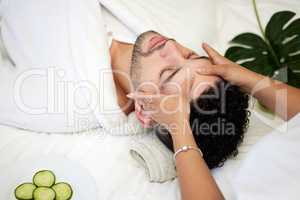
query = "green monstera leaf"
{"x": 276, "y": 53}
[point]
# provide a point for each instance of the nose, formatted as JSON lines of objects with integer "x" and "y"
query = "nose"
{"x": 172, "y": 54}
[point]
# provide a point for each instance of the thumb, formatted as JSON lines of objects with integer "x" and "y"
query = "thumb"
{"x": 214, "y": 55}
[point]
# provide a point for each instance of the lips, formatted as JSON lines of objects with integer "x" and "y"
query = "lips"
{"x": 156, "y": 41}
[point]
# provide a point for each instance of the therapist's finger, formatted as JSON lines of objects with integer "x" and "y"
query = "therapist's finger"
{"x": 214, "y": 55}
{"x": 146, "y": 101}
{"x": 141, "y": 95}
{"x": 218, "y": 70}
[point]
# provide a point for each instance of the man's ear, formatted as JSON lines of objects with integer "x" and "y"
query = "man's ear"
{"x": 145, "y": 120}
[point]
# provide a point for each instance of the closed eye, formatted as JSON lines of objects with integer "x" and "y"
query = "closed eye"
{"x": 171, "y": 75}
{"x": 194, "y": 56}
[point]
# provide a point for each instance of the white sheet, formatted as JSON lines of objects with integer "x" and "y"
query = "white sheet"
{"x": 235, "y": 17}
{"x": 64, "y": 43}
{"x": 272, "y": 168}
{"x": 190, "y": 22}
{"x": 106, "y": 158}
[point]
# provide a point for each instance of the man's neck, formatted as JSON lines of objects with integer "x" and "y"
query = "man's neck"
{"x": 120, "y": 61}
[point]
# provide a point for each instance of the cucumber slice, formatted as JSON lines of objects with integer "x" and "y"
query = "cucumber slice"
{"x": 44, "y": 193}
{"x": 63, "y": 191}
{"x": 25, "y": 191}
{"x": 44, "y": 178}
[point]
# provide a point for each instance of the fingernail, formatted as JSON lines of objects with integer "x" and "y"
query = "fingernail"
{"x": 130, "y": 95}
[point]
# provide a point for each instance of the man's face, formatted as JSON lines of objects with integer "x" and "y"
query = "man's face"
{"x": 160, "y": 64}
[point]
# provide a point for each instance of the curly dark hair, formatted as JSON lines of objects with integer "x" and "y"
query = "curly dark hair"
{"x": 218, "y": 124}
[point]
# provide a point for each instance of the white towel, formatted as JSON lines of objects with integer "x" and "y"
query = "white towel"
{"x": 190, "y": 22}
{"x": 151, "y": 154}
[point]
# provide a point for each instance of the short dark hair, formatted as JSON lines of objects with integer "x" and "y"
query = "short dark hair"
{"x": 219, "y": 133}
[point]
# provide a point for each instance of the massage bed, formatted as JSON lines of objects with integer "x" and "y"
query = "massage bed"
{"x": 96, "y": 163}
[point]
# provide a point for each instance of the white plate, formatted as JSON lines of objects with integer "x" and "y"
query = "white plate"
{"x": 83, "y": 184}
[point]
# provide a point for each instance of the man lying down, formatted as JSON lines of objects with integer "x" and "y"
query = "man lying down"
{"x": 158, "y": 64}
{"x": 219, "y": 115}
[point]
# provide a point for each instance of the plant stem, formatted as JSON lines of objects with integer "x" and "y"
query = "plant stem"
{"x": 264, "y": 35}
{"x": 258, "y": 19}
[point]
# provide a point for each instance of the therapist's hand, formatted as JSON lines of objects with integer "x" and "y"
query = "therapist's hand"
{"x": 169, "y": 110}
{"x": 228, "y": 70}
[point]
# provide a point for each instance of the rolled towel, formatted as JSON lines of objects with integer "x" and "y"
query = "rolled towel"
{"x": 147, "y": 150}
{"x": 156, "y": 159}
